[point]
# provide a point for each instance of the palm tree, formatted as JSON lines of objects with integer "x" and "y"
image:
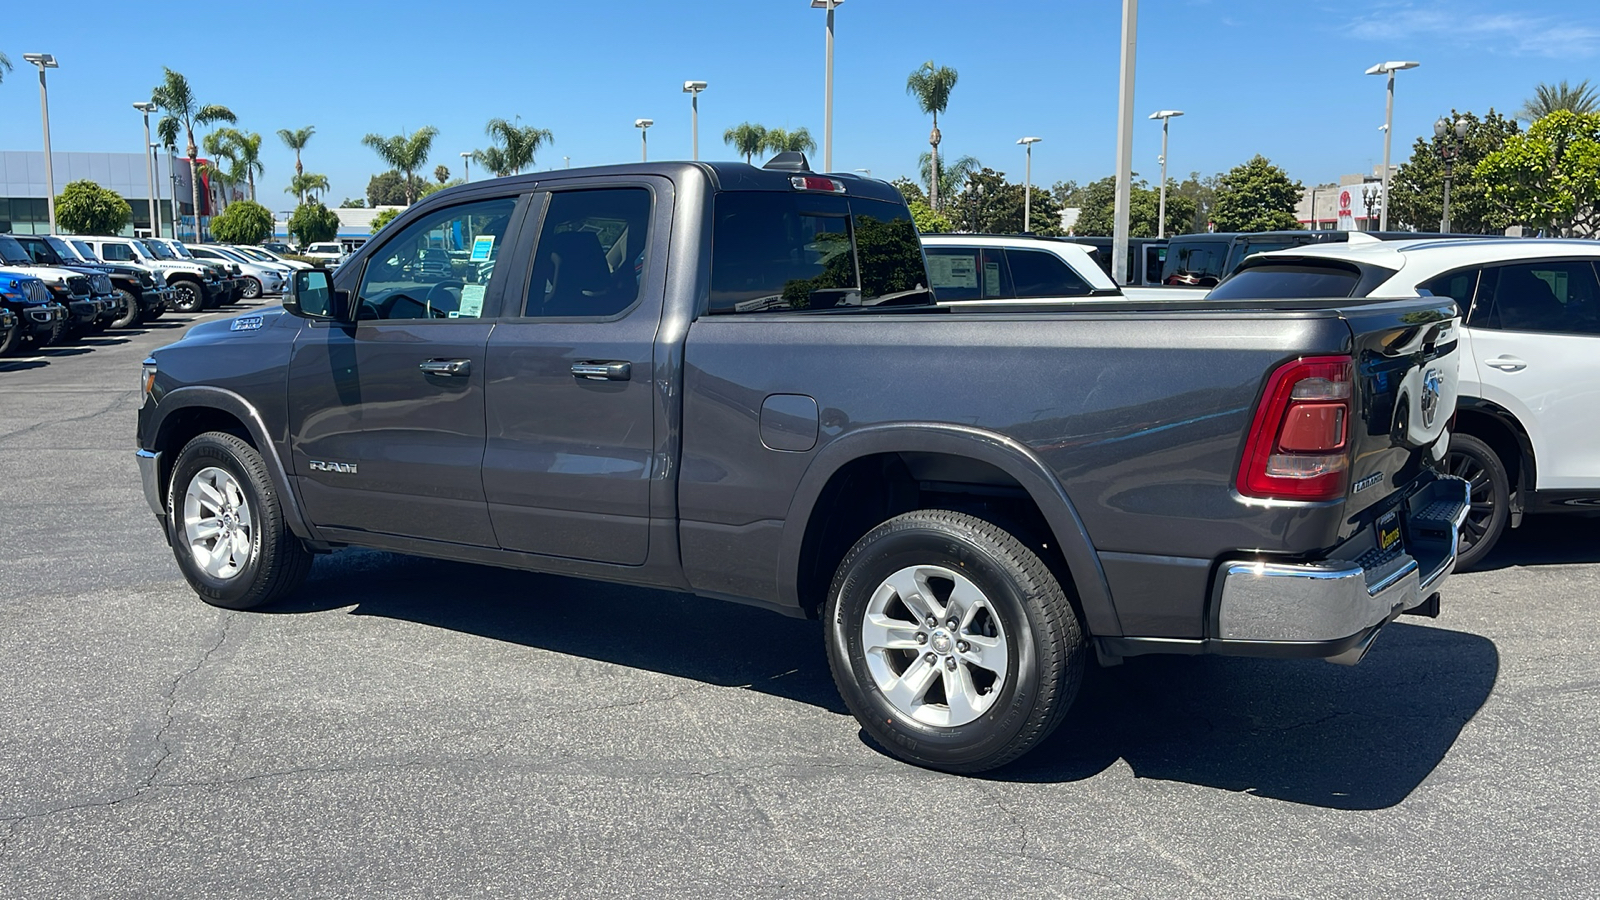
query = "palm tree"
{"x": 931, "y": 85}
{"x": 519, "y": 142}
{"x": 184, "y": 112}
{"x": 494, "y": 161}
{"x": 244, "y": 152}
{"x": 800, "y": 139}
{"x": 746, "y": 139}
{"x": 441, "y": 173}
{"x": 951, "y": 177}
{"x": 407, "y": 154}
{"x": 219, "y": 150}
{"x": 296, "y": 140}
{"x": 5, "y": 66}
{"x": 304, "y": 183}
{"x": 1548, "y": 98}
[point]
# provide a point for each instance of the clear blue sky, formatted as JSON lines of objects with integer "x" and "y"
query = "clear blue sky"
{"x": 1280, "y": 78}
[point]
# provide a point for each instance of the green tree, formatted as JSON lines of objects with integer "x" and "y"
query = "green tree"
{"x": 746, "y": 139}
{"x": 512, "y": 150}
{"x": 1202, "y": 194}
{"x": 307, "y": 184}
{"x": 408, "y": 153}
{"x": 1097, "y": 209}
{"x": 1416, "y": 192}
{"x": 384, "y": 217}
{"x": 951, "y": 177}
{"x": 928, "y": 221}
{"x": 5, "y": 66}
{"x": 296, "y": 140}
{"x": 931, "y": 86}
{"x": 910, "y": 190}
{"x": 184, "y": 111}
{"x": 990, "y": 204}
{"x": 426, "y": 188}
{"x": 245, "y": 222}
{"x": 312, "y": 222}
{"x": 441, "y": 173}
{"x": 386, "y": 189}
{"x": 1257, "y": 196}
{"x": 85, "y": 207}
{"x": 244, "y": 151}
{"x": 799, "y": 139}
{"x": 1549, "y": 177}
{"x": 353, "y": 203}
{"x": 1548, "y": 98}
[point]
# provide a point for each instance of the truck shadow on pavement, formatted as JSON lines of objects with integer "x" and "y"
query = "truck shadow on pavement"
{"x": 1547, "y": 540}
{"x": 1304, "y": 731}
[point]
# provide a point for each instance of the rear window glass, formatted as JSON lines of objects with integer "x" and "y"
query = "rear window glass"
{"x": 1195, "y": 263}
{"x": 1284, "y": 282}
{"x": 1039, "y": 274}
{"x": 777, "y": 252}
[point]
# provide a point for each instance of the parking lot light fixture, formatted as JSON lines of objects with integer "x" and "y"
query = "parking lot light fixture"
{"x": 693, "y": 89}
{"x": 1449, "y": 140}
{"x": 1027, "y": 184}
{"x": 1388, "y": 68}
{"x": 46, "y": 61}
{"x": 147, "y": 108}
{"x": 644, "y": 145}
{"x": 466, "y": 167}
{"x": 1166, "y": 116}
{"x": 827, "y": 87}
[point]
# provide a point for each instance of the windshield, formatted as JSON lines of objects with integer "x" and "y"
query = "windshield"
{"x": 230, "y": 254}
{"x": 159, "y": 250}
{"x": 63, "y": 249}
{"x": 180, "y": 250}
{"x": 83, "y": 250}
{"x": 252, "y": 253}
{"x": 12, "y": 253}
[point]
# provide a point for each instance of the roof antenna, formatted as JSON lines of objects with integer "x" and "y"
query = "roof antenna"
{"x": 789, "y": 161}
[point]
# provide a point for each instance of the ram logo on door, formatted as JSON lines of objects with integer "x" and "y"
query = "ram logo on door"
{"x": 342, "y": 468}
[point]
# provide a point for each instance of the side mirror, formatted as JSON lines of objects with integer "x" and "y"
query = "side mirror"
{"x": 311, "y": 296}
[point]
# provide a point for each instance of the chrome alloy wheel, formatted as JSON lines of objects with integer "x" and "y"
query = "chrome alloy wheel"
{"x": 935, "y": 645}
{"x": 217, "y": 524}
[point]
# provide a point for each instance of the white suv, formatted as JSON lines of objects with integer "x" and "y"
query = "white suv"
{"x": 1005, "y": 270}
{"x": 1527, "y": 429}
{"x": 331, "y": 253}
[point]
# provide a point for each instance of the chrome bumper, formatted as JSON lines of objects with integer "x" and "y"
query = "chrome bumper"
{"x": 1334, "y": 608}
{"x": 150, "y": 475}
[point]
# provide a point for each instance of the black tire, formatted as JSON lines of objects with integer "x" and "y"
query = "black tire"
{"x": 1034, "y": 620}
{"x": 10, "y": 339}
{"x": 131, "y": 315}
{"x": 277, "y": 561}
{"x": 252, "y": 288}
{"x": 1485, "y": 472}
{"x": 189, "y": 297}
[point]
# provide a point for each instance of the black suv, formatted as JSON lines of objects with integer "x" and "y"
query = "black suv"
{"x": 73, "y": 289}
{"x": 133, "y": 287}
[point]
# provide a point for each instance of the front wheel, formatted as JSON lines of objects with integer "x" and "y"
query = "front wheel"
{"x": 188, "y": 297}
{"x": 130, "y": 310}
{"x": 227, "y": 526}
{"x": 252, "y": 288}
{"x": 951, "y": 642}
{"x": 1490, "y": 500}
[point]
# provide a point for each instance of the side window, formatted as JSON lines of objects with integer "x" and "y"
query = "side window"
{"x": 968, "y": 273}
{"x": 1197, "y": 263}
{"x": 1039, "y": 274}
{"x": 439, "y": 266}
{"x": 772, "y": 251}
{"x": 115, "y": 253}
{"x": 591, "y": 253}
{"x": 1154, "y": 257}
{"x": 1458, "y": 286}
{"x": 1550, "y": 297}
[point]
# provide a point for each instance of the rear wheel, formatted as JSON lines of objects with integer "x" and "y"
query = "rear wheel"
{"x": 951, "y": 642}
{"x": 11, "y": 338}
{"x": 188, "y": 297}
{"x": 1490, "y": 487}
{"x": 130, "y": 310}
{"x": 252, "y": 288}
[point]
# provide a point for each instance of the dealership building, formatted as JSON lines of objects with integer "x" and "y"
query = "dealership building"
{"x": 23, "y": 190}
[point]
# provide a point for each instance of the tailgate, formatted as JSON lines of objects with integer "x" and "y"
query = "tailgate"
{"x": 1406, "y": 354}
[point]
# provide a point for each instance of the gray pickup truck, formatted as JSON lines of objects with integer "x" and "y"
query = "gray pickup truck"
{"x": 733, "y": 381}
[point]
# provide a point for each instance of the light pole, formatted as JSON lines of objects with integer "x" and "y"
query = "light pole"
{"x": 153, "y": 161}
{"x": 466, "y": 167}
{"x": 147, "y": 108}
{"x": 693, "y": 89}
{"x": 1027, "y": 184}
{"x": 1450, "y": 139}
{"x": 46, "y": 61}
{"x": 827, "y": 89}
{"x": 644, "y": 144}
{"x": 1388, "y": 68}
{"x": 1119, "y": 229}
{"x": 1166, "y": 116}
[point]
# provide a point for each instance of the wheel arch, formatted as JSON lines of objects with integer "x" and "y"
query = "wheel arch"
{"x": 880, "y": 459}
{"x": 1505, "y": 434}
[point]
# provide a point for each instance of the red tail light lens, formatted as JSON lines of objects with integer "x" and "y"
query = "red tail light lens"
{"x": 1298, "y": 446}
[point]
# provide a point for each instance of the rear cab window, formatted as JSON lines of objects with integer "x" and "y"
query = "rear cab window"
{"x": 778, "y": 252}
{"x": 1195, "y": 263}
{"x": 1289, "y": 281}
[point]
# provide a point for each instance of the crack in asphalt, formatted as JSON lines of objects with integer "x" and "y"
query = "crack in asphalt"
{"x": 116, "y": 400}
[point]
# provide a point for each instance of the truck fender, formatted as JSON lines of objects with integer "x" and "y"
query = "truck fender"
{"x": 205, "y": 397}
{"x": 1004, "y": 453}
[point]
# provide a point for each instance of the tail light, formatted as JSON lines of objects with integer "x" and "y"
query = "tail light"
{"x": 1298, "y": 447}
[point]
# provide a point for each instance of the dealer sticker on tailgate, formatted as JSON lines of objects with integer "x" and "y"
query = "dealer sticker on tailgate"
{"x": 1389, "y": 531}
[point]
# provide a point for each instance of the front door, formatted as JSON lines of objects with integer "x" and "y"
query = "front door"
{"x": 386, "y": 413}
{"x": 571, "y": 385}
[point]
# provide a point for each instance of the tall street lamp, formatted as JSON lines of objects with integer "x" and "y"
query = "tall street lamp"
{"x": 1119, "y": 227}
{"x": 46, "y": 61}
{"x": 1166, "y": 116}
{"x": 1450, "y": 139}
{"x": 1388, "y": 68}
{"x": 150, "y": 159}
{"x": 1027, "y": 184}
{"x": 827, "y": 89}
{"x": 466, "y": 167}
{"x": 147, "y": 108}
{"x": 693, "y": 89}
{"x": 644, "y": 145}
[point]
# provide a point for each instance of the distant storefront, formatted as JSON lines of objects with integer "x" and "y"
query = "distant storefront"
{"x": 23, "y": 189}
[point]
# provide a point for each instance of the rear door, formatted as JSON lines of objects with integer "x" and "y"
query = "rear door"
{"x": 571, "y": 386}
{"x": 386, "y": 413}
{"x": 1536, "y": 342}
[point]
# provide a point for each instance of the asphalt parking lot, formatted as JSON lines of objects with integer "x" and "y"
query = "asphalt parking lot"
{"x": 409, "y": 727}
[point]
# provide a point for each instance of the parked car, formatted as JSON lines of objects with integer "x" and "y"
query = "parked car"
{"x": 262, "y": 254}
{"x": 1203, "y": 260}
{"x": 260, "y": 278}
{"x": 999, "y": 270}
{"x": 1146, "y": 256}
{"x": 195, "y": 287}
{"x": 71, "y": 289}
{"x": 231, "y": 274}
{"x": 734, "y": 381}
{"x": 136, "y": 290}
{"x": 330, "y": 253}
{"x": 1527, "y": 434}
{"x": 40, "y": 319}
{"x": 278, "y": 248}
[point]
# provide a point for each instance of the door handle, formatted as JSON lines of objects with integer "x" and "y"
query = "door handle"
{"x": 1506, "y": 363}
{"x": 446, "y": 367}
{"x": 608, "y": 370}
